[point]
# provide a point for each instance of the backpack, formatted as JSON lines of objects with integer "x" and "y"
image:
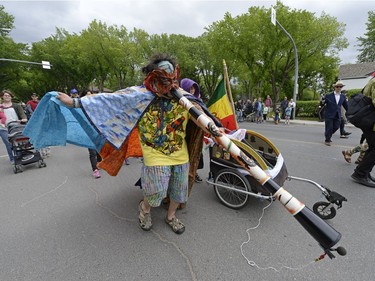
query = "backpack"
{"x": 256, "y": 105}
{"x": 361, "y": 112}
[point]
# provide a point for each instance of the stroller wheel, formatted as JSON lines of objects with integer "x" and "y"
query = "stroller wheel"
{"x": 42, "y": 164}
{"x": 233, "y": 189}
{"x": 17, "y": 169}
{"x": 323, "y": 210}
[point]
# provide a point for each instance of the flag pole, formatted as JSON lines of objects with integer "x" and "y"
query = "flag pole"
{"x": 229, "y": 91}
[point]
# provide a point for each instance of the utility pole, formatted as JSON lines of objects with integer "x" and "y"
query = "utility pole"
{"x": 295, "y": 92}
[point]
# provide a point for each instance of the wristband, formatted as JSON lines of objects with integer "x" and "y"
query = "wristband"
{"x": 76, "y": 103}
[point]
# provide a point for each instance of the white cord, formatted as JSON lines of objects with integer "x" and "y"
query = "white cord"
{"x": 252, "y": 263}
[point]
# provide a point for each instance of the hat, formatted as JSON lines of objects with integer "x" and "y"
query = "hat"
{"x": 187, "y": 83}
{"x": 73, "y": 91}
{"x": 33, "y": 95}
{"x": 338, "y": 83}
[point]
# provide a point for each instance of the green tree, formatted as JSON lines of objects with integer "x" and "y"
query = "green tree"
{"x": 6, "y": 22}
{"x": 62, "y": 52}
{"x": 367, "y": 43}
{"x": 263, "y": 55}
{"x": 11, "y": 72}
{"x": 209, "y": 68}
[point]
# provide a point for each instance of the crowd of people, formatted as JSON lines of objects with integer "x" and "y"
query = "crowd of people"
{"x": 259, "y": 110}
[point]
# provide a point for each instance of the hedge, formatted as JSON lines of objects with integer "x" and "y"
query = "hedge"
{"x": 311, "y": 108}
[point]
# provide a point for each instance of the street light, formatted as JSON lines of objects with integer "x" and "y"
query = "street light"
{"x": 44, "y": 64}
{"x": 4, "y": 31}
{"x": 295, "y": 92}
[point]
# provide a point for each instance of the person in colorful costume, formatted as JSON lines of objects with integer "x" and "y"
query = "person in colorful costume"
{"x": 138, "y": 121}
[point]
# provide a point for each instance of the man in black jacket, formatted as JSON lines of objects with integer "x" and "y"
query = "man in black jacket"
{"x": 333, "y": 103}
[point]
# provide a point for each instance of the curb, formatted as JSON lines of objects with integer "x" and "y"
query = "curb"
{"x": 309, "y": 123}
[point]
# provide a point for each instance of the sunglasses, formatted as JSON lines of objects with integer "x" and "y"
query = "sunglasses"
{"x": 339, "y": 86}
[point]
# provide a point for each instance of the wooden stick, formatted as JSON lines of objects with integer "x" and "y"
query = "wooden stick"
{"x": 229, "y": 91}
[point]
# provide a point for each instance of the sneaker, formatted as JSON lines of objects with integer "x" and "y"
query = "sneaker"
{"x": 12, "y": 162}
{"x": 96, "y": 174}
{"x": 328, "y": 143}
{"x": 363, "y": 180}
{"x": 198, "y": 178}
{"x": 127, "y": 162}
{"x": 347, "y": 133}
{"x": 344, "y": 136}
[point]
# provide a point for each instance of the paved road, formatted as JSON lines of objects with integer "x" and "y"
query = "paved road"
{"x": 58, "y": 223}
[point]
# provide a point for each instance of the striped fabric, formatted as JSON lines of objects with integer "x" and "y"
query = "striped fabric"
{"x": 158, "y": 180}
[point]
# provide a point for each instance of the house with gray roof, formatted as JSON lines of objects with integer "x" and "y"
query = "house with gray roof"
{"x": 356, "y": 76}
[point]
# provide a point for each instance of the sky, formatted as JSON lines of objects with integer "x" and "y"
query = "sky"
{"x": 37, "y": 20}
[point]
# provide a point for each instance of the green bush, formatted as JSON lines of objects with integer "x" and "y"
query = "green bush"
{"x": 307, "y": 108}
{"x": 311, "y": 108}
{"x": 348, "y": 93}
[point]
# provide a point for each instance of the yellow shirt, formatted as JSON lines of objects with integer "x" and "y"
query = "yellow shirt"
{"x": 162, "y": 131}
{"x": 369, "y": 90}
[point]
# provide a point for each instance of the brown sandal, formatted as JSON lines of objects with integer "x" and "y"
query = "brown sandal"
{"x": 177, "y": 226}
{"x": 347, "y": 156}
{"x": 145, "y": 221}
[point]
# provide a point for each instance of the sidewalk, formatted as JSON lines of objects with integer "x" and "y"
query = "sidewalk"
{"x": 310, "y": 123}
{"x": 307, "y": 122}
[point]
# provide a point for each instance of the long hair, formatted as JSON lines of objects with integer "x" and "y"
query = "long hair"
{"x": 6, "y": 92}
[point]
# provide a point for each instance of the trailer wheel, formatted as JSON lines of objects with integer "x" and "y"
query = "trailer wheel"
{"x": 234, "y": 180}
{"x": 323, "y": 211}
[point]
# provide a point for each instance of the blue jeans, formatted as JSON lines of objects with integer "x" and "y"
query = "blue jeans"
{"x": 4, "y": 136}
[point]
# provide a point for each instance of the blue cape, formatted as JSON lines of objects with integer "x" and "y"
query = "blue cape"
{"x": 103, "y": 117}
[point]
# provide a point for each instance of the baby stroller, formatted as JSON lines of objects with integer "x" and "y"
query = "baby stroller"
{"x": 233, "y": 184}
{"x": 23, "y": 150}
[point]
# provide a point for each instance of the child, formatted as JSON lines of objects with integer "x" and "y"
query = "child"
{"x": 277, "y": 115}
{"x": 288, "y": 113}
{"x": 265, "y": 113}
